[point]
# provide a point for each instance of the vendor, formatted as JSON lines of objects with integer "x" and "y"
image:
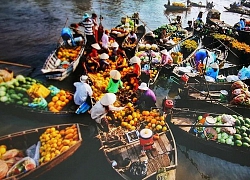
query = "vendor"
{"x": 67, "y": 37}
{"x": 91, "y": 62}
{"x": 83, "y": 94}
{"x": 105, "y": 41}
{"x": 200, "y": 56}
{"x": 121, "y": 60}
{"x": 103, "y": 107}
{"x": 147, "y": 98}
{"x": 115, "y": 82}
{"x": 166, "y": 58}
{"x": 103, "y": 62}
{"x": 132, "y": 37}
{"x": 213, "y": 71}
{"x": 114, "y": 49}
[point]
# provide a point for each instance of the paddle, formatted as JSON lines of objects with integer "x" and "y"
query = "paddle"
{"x": 15, "y": 64}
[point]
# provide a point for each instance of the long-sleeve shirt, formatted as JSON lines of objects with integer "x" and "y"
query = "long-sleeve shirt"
{"x": 105, "y": 41}
{"x": 148, "y": 97}
{"x": 98, "y": 111}
{"x": 83, "y": 90}
{"x": 114, "y": 87}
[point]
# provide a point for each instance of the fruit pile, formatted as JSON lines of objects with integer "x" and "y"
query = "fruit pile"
{"x": 55, "y": 141}
{"x": 68, "y": 54}
{"x": 130, "y": 119}
{"x": 178, "y": 4}
{"x": 189, "y": 45}
{"x": 59, "y": 101}
{"x": 177, "y": 57}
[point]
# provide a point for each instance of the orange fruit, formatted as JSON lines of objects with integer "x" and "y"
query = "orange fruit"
{"x": 51, "y": 104}
{"x": 130, "y": 117}
{"x": 58, "y": 103}
{"x": 55, "y": 99}
{"x": 153, "y": 121}
{"x": 63, "y": 103}
{"x": 66, "y": 101}
{"x": 62, "y": 98}
{"x": 62, "y": 92}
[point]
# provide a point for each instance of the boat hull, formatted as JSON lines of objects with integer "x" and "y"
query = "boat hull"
{"x": 25, "y": 139}
{"x": 226, "y": 152}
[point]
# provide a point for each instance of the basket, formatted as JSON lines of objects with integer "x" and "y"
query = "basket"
{"x": 210, "y": 133}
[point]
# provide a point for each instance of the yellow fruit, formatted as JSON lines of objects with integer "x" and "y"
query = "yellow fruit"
{"x": 132, "y": 122}
{"x": 158, "y": 127}
{"x": 164, "y": 129}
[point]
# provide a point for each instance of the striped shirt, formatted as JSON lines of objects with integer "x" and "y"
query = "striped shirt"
{"x": 88, "y": 25}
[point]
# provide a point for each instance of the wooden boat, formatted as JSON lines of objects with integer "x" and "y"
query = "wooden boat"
{"x": 238, "y": 10}
{"x": 130, "y": 48}
{"x": 176, "y": 8}
{"x": 208, "y": 5}
{"x": 226, "y": 67}
{"x": 63, "y": 61}
{"x": 128, "y": 152}
{"x": 149, "y": 52}
{"x": 182, "y": 121}
{"x": 120, "y": 32}
{"x": 22, "y": 96}
{"x": 31, "y": 139}
{"x": 206, "y": 94}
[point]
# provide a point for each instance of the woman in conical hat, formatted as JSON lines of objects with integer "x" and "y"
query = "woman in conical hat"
{"x": 166, "y": 58}
{"x": 114, "y": 82}
{"x": 103, "y": 107}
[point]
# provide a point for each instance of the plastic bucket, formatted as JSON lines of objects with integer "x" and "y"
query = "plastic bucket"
{"x": 146, "y": 139}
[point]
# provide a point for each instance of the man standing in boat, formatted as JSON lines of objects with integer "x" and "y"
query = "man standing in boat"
{"x": 88, "y": 25}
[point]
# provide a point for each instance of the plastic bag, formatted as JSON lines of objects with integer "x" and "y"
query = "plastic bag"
{"x": 244, "y": 73}
{"x": 53, "y": 90}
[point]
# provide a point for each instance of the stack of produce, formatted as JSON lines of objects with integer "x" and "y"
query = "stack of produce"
{"x": 178, "y": 4}
{"x": 67, "y": 55}
{"x": 189, "y": 45}
{"x": 28, "y": 92}
{"x": 14, "y": 162}
{"x": 131, "y": 119}
{"x": 240, "y": 94}
{"x": 170, "y": 29}
{"x": 177, "y": 57}
{"x": 237, "y": 132}
{"x": 241, "y": 46}
{"x": 56, "y": 141}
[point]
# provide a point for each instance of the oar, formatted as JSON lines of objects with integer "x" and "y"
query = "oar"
{"x": 15, "y": 64}
{"x": 203, "y": 125}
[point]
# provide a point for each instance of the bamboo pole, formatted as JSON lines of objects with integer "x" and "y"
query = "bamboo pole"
{"x": 15, "y": 64}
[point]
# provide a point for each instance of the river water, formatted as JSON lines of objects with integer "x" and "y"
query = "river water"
{"x": 30, "y": 30}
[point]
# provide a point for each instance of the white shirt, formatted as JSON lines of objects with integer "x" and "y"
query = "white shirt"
{"x": 105, "y": 41}
{"x": 83, "y": 90}
{"x": 98, "y": 111}
{"x": 133, "y": 36}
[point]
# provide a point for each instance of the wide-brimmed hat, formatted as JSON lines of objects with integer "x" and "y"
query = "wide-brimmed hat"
{"x": 86, "y": 15}
{"x": 114, "y": 74}
{"x": 165, "y": 52}
{"x": 83, "y": 78}
{"x": 96, "y": 46}
{"x": 104, "y": 56}
{"x": 115, "y": 45}
{"x": 108, "y": 99}
{"x": 143, "y": 86}
{"x": 214, "y": 65}
{"x": 135, "y": 59}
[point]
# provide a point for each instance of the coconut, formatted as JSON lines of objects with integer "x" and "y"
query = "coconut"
{"x": 148, "y": 46}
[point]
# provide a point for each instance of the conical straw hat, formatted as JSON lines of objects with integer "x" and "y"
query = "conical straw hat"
{"x": 115, "y": 74}
{"x": 108, "y": 99}
{"x": 96, "y": 46}
{"x": 104, "y": 56}
{"x": 135, "y": 59}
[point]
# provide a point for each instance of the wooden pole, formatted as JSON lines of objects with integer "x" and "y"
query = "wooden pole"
{"x": 15, "y": 64}
{"x": 203, "y": 125}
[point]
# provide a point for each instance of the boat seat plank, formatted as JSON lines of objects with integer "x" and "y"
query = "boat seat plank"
{"x": 164, "y": 144}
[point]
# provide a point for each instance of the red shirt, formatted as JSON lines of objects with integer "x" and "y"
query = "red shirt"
{"x": 137, "y": 69}
{"x": 93, "y": 53}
